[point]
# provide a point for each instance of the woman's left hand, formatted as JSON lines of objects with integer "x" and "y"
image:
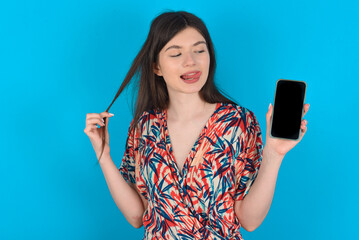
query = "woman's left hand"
{"x": 282, "y": 146}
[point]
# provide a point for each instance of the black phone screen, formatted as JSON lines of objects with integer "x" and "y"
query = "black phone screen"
{"x": 288, "y": 108}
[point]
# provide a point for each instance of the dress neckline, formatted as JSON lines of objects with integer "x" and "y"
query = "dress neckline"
{"x": 194, "y": 148}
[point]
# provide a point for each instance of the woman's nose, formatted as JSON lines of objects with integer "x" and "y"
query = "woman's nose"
{"x": 189, "y": 60}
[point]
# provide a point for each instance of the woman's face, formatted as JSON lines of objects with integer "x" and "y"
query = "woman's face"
{"x": 184, "y": 62}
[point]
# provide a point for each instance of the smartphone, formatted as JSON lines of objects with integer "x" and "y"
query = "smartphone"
{"x": 288, "y": 109}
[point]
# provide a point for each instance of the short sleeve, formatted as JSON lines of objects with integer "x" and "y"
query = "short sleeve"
{"x": 249, "y": 158}
{"x": 127, "y": 167}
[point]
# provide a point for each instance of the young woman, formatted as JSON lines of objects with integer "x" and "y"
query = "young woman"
{"x": 191, "y": 155}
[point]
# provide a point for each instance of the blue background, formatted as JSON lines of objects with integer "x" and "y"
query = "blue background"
{"x": 63, "y": 59}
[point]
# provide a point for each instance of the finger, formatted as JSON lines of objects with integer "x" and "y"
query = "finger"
{"x": 91, "y": 115}
{"x": 94, "y": 121}
{"x": 106, "y": 114}
{"x": 89, "y": 128}
{"x": 100, "y": 116}
{"x": 306, "y": 108}
{"x": 303, "y": 131}
{"x": 268, "y": 118}
{"x": 103, "y": 114}
{"x": 92, "y": 127}
{"x": 269, "y": 114}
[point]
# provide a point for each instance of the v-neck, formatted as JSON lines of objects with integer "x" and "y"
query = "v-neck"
{"x": 194, "y": 148}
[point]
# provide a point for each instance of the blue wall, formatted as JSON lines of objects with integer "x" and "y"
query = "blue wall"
{"x": 61, "y": 60}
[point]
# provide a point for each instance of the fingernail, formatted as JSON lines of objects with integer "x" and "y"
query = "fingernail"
{"x": 112, "y": 114}
{"x": 269, "y": 105}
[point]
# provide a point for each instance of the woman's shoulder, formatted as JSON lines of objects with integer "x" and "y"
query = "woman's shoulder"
{"x": 151, "y": 116}
{"x": 239, "y": 111}
{"x": 147, "y": 119}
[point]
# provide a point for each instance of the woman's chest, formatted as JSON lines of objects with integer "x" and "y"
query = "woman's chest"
{"x": 182, "y": 139}
{"x": 208, "y": 172}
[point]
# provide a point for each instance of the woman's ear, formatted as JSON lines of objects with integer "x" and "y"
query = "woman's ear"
{"x": 156, "y": 70}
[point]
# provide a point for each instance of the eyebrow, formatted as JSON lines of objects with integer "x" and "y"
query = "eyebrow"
{"x": 178, "y": 47}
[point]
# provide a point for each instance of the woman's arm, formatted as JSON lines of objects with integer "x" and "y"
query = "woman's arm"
{"x": 252, "y": 210}
{"x": 126, "y": 197}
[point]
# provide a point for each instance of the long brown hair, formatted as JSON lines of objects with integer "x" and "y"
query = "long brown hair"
{"x": 152, "y": 91}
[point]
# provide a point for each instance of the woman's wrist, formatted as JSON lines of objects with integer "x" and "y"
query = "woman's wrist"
{"x": 105, "y": 158}
{"x": 272, "y": 156}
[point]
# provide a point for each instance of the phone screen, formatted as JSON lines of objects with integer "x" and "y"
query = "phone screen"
{"x": 288, "y": 109}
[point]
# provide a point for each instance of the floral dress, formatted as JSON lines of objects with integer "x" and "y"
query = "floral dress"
{"x": 219, "y": 170}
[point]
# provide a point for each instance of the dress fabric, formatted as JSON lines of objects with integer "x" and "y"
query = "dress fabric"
{"x": 219, "y": 170}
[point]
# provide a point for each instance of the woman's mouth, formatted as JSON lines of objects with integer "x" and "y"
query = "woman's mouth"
{"x": 191, "y": 77}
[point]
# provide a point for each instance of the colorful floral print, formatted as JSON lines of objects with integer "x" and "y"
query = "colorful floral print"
{"x": 197, "y": 203}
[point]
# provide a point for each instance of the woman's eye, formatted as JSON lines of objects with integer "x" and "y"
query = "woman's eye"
{"x": 201, "y": 51}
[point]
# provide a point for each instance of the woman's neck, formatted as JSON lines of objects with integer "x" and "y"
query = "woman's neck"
{"x": 187, "y": 108}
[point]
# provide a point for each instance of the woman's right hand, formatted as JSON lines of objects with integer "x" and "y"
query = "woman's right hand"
{"x": 95, "y": 134}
